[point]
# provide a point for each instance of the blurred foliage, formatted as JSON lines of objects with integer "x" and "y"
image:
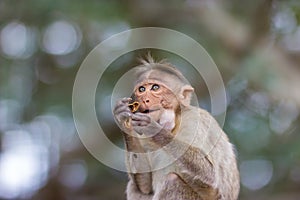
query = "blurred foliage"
{"x": 255, "y": 44}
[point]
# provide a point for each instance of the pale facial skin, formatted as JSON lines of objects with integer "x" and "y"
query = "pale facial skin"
{"x": 158, "y": 102}
{"x": 154, "y": 98}
{"x": 157, "y": 108}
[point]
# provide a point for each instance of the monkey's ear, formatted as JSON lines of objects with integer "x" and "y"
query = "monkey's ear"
{"x": 186, "y": 95}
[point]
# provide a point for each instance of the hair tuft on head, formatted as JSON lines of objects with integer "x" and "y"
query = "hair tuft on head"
{"x": 149, "y": 60}
{"x": 149, "y": 68}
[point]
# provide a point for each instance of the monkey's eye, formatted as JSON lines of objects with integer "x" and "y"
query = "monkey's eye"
{"x": 142, "y": 89}
{"x": 155, "y": 87}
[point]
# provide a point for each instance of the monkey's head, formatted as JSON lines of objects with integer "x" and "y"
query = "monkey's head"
{"x": 160, "y": 87}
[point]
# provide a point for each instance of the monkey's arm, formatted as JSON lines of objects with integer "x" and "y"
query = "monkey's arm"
{"x": 135, "y": 162}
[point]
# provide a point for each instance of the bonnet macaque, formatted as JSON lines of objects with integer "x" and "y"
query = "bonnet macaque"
{"x": 159, "y": 117}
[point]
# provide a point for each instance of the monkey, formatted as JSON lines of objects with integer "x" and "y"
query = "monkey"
{"x": 203, "y": 162}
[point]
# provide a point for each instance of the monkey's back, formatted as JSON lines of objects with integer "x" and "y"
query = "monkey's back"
{"x": 220, "y": 152}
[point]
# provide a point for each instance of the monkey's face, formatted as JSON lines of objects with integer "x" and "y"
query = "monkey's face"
{"x": 154, "y": 98}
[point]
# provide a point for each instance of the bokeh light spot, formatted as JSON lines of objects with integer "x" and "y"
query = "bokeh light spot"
{"x": 61, "y": 37}
{"x": 256, "y": 174}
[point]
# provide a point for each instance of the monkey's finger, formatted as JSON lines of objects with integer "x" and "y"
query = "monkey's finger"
{"x": 138, "y": 129}
{"x": 139, "y": 123}
{"x": 126, "y": 100}
{"x": 122, "y": 102}
{"x": 141, "y": 117}
{"x": 122, "y": 105}
{"x": 122, "y": 117}
{"x": 121, "y": 109}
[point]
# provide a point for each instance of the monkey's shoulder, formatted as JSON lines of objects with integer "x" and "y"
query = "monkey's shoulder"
{"x": 196, "y": 113}
{"x": 202, "y": 121}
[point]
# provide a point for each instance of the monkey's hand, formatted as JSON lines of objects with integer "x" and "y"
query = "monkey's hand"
{"x": 122, "y": 113}
{"x": 144, "y": 125}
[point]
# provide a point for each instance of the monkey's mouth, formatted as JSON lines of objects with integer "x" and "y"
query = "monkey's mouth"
{"x": 149, "y": 111}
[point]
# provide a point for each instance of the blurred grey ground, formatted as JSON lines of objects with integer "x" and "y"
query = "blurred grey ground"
{"x": 255, "y": 44}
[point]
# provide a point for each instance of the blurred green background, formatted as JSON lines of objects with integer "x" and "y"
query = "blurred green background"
{"x": 255, "y": 44}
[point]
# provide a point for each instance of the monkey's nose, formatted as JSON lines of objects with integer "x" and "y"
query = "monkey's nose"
{"x": 146, "y": 101}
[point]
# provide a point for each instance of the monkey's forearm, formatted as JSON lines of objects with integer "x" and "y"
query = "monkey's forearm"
{"x": 132, "y": 143}
{"x": 143, "y": 181}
